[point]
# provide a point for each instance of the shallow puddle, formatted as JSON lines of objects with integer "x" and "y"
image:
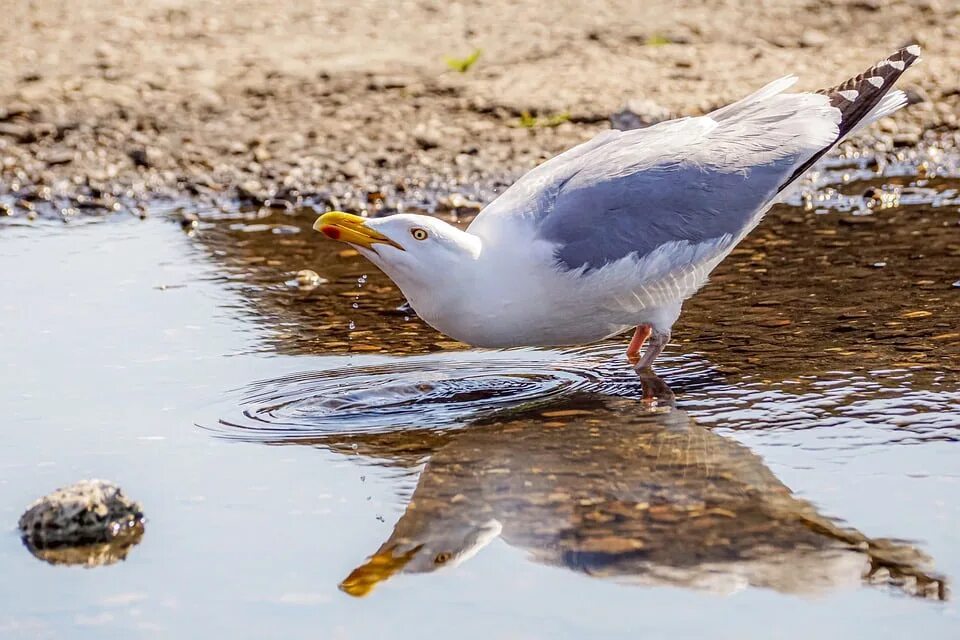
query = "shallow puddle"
{"x": 792, "y": 473}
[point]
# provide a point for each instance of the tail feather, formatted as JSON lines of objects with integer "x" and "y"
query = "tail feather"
{"x": 865, "y": 98}
{"x": 887, "y": 105}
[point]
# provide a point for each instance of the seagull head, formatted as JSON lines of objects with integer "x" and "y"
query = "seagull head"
{"x": 417, "y": 252}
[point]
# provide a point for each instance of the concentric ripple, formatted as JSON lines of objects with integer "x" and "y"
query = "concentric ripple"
{"x": 423, "y": 392}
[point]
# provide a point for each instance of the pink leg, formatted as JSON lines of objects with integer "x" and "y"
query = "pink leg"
{"x": 657, "y": 342}
{"x": 636, "y": 344}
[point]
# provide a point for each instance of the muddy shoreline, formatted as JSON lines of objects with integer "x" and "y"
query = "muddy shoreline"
{"x": 108, "y": 107}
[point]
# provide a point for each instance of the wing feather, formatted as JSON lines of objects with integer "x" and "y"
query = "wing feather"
{"x": 704, "y": 181}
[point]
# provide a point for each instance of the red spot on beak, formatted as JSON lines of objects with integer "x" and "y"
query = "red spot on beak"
{"x": 331, "y": 232}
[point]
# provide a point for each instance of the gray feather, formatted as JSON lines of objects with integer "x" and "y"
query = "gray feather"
{"x": 693, "y": 180}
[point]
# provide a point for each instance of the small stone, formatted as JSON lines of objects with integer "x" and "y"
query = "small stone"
{"x": 308, "y": 279}
{"x": 18, "y": 132}
{"x": 906, "y": 139}
{"x": 916, "y": 95}
{"x": 457, "y": 202}
{"x": 352, "y": 169}
{"x": 189, "y": 222}
{"x": 61, "y": 156}
{"x": 87, "y": 512}
{"x": 639, "y": 113}
{"x": 427, "y": 138}
{"x": 813, "y": 38}
{"x": 252, "y": 191}
{"x": 144, "y": 156}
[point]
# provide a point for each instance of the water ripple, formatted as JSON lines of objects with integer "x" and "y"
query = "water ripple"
{"x": 443, "y": 391}
{"x": 425, "y": 392}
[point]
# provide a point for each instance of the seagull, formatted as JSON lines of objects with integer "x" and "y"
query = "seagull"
{"x": 616, "y": 233}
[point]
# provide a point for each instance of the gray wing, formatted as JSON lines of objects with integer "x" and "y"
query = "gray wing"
{"x": 701, "y": 186}
{"x": 703, "y": 182}
{"x": 691, "y": 180}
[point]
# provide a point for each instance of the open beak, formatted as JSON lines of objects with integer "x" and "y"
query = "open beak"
{"x": 378, "y": 568}
{"x": 351, "y": 229}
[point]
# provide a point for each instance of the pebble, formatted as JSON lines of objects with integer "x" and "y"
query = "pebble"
{"x": 427, "y": 138}
{"x": 20, "y": 133}
{"x": 352, "y": 169}
{"x": 87, "y": 512}
{"x": 144, "y": 156}
{"x": 189, "y": 222}
{"x": 639, "y": 113}
{"x": 813, "y": 38}
{"x": 308, "y": 279}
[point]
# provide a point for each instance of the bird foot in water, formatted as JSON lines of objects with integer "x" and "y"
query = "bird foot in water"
{"x": 655, "y": 345}
{"x": 656, "y": 392}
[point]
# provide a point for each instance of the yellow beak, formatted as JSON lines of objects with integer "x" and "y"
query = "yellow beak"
{"x": 351, "y": 229}
{"x": 378, "y": 568}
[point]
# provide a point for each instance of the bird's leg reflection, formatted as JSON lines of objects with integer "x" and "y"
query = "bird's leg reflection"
{"x": 646, "y": 498}
{"x": 656, "y": 392}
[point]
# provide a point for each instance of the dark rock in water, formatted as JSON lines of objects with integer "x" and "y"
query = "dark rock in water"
{"x": 90, "y": 522}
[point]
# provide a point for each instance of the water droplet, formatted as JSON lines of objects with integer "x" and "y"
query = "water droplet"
{"x": 355, "y": 305}
{"x": 352, "y": 325}
{"x": 407, "y": 318}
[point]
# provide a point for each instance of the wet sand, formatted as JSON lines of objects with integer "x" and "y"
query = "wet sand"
{"x": 107, "y": 105}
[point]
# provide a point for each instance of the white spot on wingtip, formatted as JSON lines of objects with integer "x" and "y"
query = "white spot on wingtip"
{"x": 899, "y": 65}
{"x": 914, "y": 50}
{"x": 849, "y": 94}
{"x": 876, "y": 81}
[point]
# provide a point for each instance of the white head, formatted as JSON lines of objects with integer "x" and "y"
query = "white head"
{"x": 423, "y": 255}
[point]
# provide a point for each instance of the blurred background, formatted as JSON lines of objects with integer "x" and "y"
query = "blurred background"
{"x": 248, "y": 100}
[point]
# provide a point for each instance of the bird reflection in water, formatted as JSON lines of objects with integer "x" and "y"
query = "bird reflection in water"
{"x": 654, "y": 499}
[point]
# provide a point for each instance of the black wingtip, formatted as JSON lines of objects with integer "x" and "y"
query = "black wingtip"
{"x": 856, "y": 97}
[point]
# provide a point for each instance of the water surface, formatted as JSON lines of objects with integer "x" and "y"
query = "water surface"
{"x": 319, "y": 462}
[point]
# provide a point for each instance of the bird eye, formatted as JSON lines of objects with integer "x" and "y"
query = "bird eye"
{"x": 443, "y": 556}
{"x": 418, "y": 233}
